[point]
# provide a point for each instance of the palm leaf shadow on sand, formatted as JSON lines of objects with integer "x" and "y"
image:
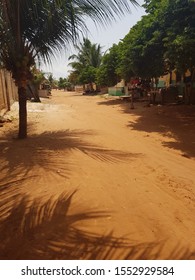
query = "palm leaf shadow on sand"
{"x": 174, "y": 122}
{"x": 50, "y": 151}
{"x": 48, "y": 230}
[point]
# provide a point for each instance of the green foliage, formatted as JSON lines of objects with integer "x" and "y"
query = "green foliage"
{"x": 161, "y": 41}
{"x": 142, "y": 48}
{"x": 72, "y": 78}
{"x": 86, "y": 62}
{"x": 180, "y": 35}
{"x": 88, "y": 75}
{"x": 106, "y": 74}
{"x": 50, "y": 79}
{"x": 62, "y": 83}
{"x": 38, "y": 76}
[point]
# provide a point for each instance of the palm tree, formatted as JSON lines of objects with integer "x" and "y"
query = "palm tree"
{"x": 88, "y": 54}
{"x": 86, "y": 62}
{"x": 34, "y": 29}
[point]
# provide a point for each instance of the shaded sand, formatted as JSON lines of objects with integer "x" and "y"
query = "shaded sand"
{"x": 96, "y": 180}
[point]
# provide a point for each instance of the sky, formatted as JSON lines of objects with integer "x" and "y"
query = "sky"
{"x": 105, "y": 36}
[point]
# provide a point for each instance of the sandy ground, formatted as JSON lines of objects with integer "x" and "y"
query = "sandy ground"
{"x": 97, "y": 180}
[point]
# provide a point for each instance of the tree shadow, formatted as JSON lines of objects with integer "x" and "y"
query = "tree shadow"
{"x": 50, "y": 152}
{"x": 47, "y": 230}
{"x": 175, "y": 122}
{"x": 112, "y": 102}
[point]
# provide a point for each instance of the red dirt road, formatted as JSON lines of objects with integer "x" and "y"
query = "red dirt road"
{"x": 136, "y": 166}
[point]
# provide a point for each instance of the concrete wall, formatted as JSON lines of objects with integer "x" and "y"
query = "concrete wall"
{"x": 8, "y": 91}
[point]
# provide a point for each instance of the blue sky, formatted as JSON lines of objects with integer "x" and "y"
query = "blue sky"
{"x": 105, "y": 36}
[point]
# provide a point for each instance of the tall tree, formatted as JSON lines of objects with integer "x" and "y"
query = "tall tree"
{"x": 86, "y": 62}
{"x": 107, "y": 73}
{"x": 176, "y": 20}
{"x": 143, "y": 48}
{"x": 180, "y": 35}
{"x": 33, "y": 29}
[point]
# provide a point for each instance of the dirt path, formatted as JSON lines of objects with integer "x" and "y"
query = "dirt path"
{"x": 133, "y": 172}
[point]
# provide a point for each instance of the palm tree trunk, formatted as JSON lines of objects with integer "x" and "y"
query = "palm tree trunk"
{"x": 7, "y": 93}
{"x": 132, "y": 100}
{"x": 22, "y": 133}
{"x": 34, "y": 92}
{"x": 192, "y": 90}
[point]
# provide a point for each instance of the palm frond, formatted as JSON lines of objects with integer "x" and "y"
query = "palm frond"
{"x": 47, "y": 26}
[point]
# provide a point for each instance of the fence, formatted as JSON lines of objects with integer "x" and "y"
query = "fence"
{"x": 8, "y": 91}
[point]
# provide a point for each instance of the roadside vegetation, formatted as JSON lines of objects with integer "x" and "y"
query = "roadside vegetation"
{"x": 161, "y": 42}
